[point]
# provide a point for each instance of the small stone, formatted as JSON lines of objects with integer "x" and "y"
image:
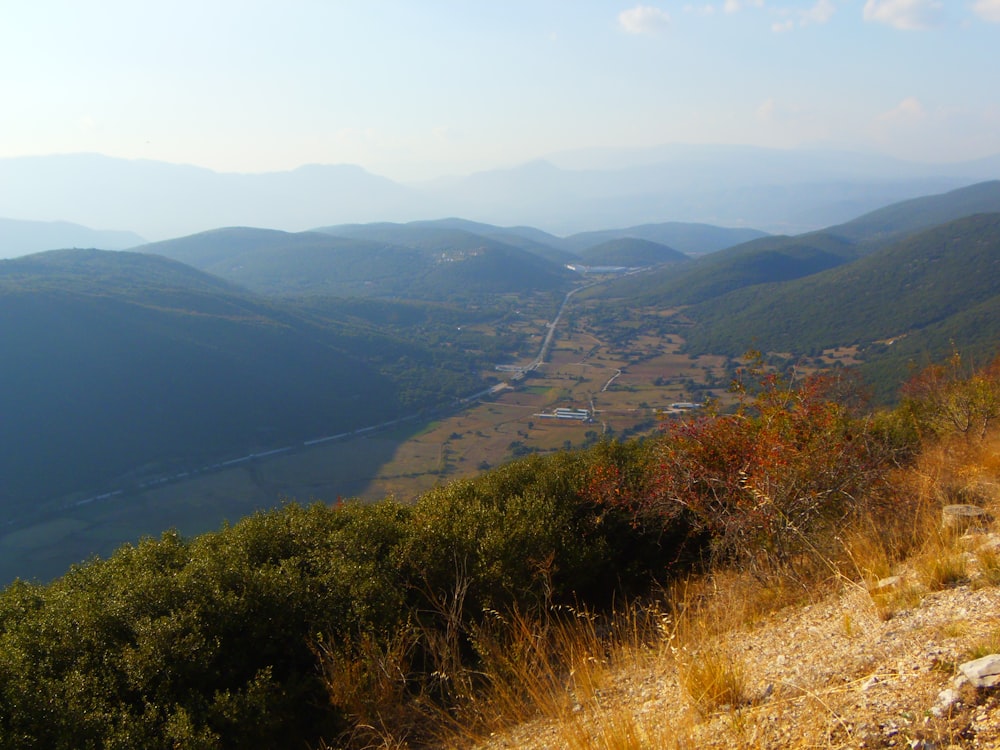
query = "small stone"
{"x": 947, "y": 699}
{"x": 961, "y": 517}
{"x": 984, "y": 672}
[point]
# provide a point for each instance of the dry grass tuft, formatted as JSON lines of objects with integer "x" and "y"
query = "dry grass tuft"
{"x": 940, "y": 569}
{"x": 620, "y": 728}
{"x": 714, "y": 678}
{"x": 988, "y": 565}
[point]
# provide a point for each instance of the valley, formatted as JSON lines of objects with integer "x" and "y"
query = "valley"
{"x": 627, "y": 385}
{"x": 144, "y": 393}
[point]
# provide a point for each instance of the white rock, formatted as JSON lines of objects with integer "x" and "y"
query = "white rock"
{"x": 947, "y": 698}
{"x": 984, "y": 672}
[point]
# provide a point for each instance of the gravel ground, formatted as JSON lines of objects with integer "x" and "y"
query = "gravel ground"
{"x": 830, "y": 675}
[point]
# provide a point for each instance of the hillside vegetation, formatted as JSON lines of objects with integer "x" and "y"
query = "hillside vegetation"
{"x": 121, "y": 365}
{"x": 372, "y": 260}
{"x": 934, "y": 287}
{"x": 631, "y": 252}
{"x": 781, "y": 258}
{"x": 413, "y": 626}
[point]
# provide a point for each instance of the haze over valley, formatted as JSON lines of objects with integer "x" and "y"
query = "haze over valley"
{"x": 383, "y": 374}
{"x": 181, "y": 382}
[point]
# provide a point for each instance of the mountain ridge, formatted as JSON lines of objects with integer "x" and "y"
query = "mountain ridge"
{"x": 773, "y": 190}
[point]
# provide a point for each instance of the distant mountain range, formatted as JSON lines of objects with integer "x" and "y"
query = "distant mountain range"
{"x": 776, "y": 191}
{"x": 26, "y": 237}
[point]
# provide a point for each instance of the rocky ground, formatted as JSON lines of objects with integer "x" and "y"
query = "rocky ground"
{"x": 864, "y": 668}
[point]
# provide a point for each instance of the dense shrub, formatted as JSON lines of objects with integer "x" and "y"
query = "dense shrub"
{"x": 953, "y": 398}
{"x": 338, "y": 623}
{"x": 772, "y": 481}
{"x": 213, "y": 642}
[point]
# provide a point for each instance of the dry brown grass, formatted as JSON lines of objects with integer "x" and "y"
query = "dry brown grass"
{"x": 711, "y": 615}
{"x": 556, "y": 667}
{"x": 714, "y": 678}
{"x": 569, "y": 678}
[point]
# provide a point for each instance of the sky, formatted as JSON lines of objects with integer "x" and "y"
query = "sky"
{"x": 417, "y": 89}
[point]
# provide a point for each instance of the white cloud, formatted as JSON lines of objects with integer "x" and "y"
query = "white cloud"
{"x": 821, "y": 12}
{"x": 908, "y": 15}
{"x": 705, "y": 10}
{"x": 644, "y": 19}
{"x": 908, "y": 110}
{"x": 988, "y": 10}
{"x": 732, "y": 6}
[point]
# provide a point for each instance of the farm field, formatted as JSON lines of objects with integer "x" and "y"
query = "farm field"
{"x": 627, "y": 390}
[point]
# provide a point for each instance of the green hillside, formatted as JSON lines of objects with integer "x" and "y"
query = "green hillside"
{"x": 533, "y": 240}
{"x": 121, "y": 365}
{"x": 757, "y": 262}
{"x": 632, "y": 253}
{"x": 925, "y": 292}
{"x": 383, "y": 624}
{"x": 781, "y": 258}
{"x": 374, "y": 260}
{"x": 885, "y": 224}
{"x": 688, "y": 238}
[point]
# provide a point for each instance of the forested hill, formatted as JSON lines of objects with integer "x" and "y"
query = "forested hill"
{"x": 118, "y": 365}
{"x": 926, "y": 293}
{"x": 418, "y": 263}
{"x": 759, "y": 261}
{"x": 687, "y": 237}
{"x": 783, "y": 258}
{"x": 886, "y": 224}
{"x": 631, "y": 252}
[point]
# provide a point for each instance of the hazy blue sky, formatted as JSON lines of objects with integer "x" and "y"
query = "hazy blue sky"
{"x": 423, "y": 88}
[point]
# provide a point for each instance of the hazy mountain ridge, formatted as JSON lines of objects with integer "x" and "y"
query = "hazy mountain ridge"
{"x": 885, "y": 224}
{"x": 784, "y": 191}
{"x": 25, "y": 237}
{"x": 631, "y": 252}
{"x": 690, "y": 238}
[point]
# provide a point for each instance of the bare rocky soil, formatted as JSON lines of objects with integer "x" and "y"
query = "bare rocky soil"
{"x": 862, "y": 669}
